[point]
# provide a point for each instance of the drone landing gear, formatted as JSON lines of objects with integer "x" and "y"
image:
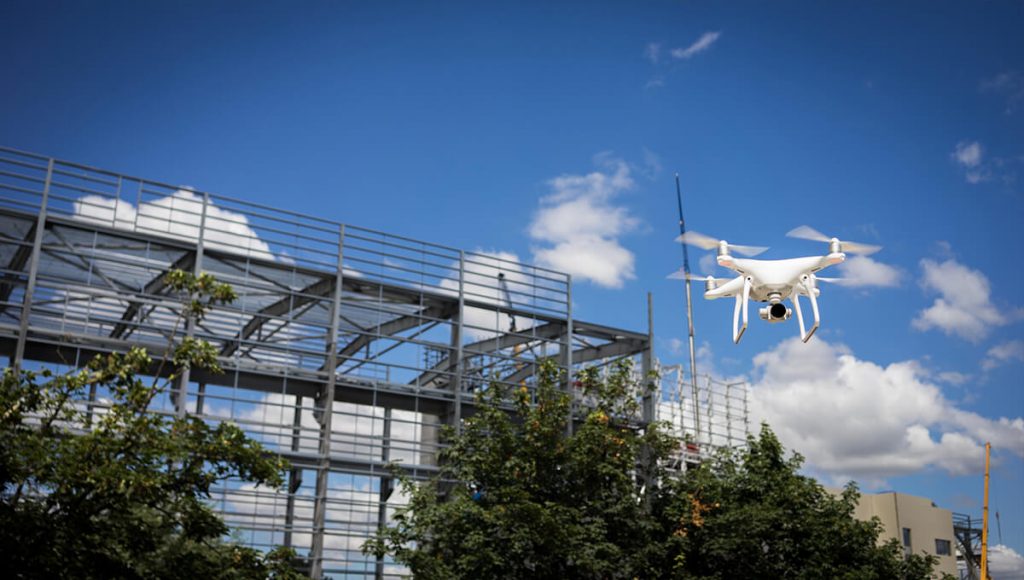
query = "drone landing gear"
{"x": 808, "y": 289}
{"x": 742, "y": 300}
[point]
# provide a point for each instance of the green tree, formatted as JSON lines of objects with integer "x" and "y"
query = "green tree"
{"x": 517, "y": 497}
{"x": 121, "y": 493}
{"x": 748, "y": 513}
{"x": 532, "y": 501}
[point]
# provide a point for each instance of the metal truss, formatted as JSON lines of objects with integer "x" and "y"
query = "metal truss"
{"x": 346, "y": 350}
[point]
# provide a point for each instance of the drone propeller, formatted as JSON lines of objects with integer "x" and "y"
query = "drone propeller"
{"x": 809, "y": 233}
{"x": 839, "y": 281}
{"x": 680, "y": 275}
{"x": 708, "y": 243}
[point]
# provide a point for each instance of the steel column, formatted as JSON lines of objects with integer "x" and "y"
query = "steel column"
{"x": 33, "y": 269}
{"x": 326, "y": 400}
{"x": 181, "y": 395}
{"x": 460, "y": 364}
{"x": 386, "y": 487}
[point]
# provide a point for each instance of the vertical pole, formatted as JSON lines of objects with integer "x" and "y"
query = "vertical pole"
{"x": 647, "y": 364}
{"x": 326, "y": 400}
{"x": 566, "y": 355}
{"x": 181, "y": 396}
{"x": 648, "y": 408}
{"x": 386, "y": 484}
{"x": 294, "y": 475}
{"x": 746, "y": 411}
{"x": 33, "y": 269}
{"x": 984, "y": 517}
{"x": 689, "y": 313}
{"x": 459, "y": 363}
{"x": 728, "y": 414}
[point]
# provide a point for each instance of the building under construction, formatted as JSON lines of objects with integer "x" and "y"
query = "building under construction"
{"x": 347, "y": 348}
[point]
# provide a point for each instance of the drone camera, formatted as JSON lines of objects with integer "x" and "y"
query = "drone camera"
{"x": 775, "y": 313}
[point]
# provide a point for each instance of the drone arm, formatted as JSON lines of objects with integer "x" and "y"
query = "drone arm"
{"x": 742, "y": 302}
{"x": 808, "y": 288}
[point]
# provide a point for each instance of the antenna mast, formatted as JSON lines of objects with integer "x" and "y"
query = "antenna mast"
{"x": 984, "y": 523}
{"x": 689, "y": 312}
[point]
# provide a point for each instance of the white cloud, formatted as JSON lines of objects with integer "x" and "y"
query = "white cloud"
{"x": 652, "y": 164}
{"x": 967, "y": 153}
{"x": 653, "y": 52}
{"x": 1000, "y": 354}
{"x": 1004, "y": 563}
{"x": 675, "y": 346}
{"x": 1010, "y": 85}
{"x": 581, "y": 225}
{"x": 700, "y": 45}
{"x": 854, "y": 418}
{"x": 862, "y": 271}
{"x": 655, "y": 83}
{"x": 953, "y": 377}
{"x": 177, "y": 216}
{"x": 964, "y": 307}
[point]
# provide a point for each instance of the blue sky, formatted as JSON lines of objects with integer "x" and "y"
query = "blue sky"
{"x": 484, "y": 127}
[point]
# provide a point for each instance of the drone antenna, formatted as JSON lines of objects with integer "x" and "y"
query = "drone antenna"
{"x": 689, "y": 312}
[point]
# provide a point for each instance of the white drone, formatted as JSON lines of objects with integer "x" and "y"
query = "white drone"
{"x": 772, "y": 281}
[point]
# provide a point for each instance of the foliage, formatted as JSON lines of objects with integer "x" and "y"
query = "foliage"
{"x": 749, "y": 514}
{"x": 518, "y": 497}
{"x": 119, "y": 492}
{"x": 537, "y": 502}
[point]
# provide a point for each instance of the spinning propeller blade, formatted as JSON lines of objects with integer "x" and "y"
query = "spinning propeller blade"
{"x": 708, "y": 243}
{"x": 680, "y": 275}
{"x": 840, "y": 281}
{"x": 809, "y": 233}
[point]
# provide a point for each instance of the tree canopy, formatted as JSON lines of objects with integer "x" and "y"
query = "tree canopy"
{"x": 519, "y": 496}
{"x": 119, "y": 491}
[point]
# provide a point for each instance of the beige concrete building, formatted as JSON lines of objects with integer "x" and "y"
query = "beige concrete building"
{"x": 916, "y": 522}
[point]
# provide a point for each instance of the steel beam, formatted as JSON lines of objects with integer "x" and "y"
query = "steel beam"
{"x": 152, "y": 288}
{"x": 585, "y": 355}
{"x": 17, "y": 263}
{"x": 33, "y": 269}
{"x": 506, "y": 340}
{"x": 315, "y": 291}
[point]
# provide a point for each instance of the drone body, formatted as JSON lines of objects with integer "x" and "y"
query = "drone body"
{"x": 772, "y": 281}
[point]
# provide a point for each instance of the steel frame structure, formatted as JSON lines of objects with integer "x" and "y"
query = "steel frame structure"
{"x": 347, "y": 348}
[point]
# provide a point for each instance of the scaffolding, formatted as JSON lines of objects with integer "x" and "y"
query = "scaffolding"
{"x": 347, "y": 348}
{"x": 719, "y": 417}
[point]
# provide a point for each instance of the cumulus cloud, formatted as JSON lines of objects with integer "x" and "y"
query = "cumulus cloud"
{"x": 863, "y": 272}
{"x": 964, "y": 307}
{"x": 854, "y": 418}
{"x": 580, "y": 225}
{"x": 177, "y": 216}
{"x": 700, "y": 45}
{"x": 1000, "y": 354}
{"x": 1005, "y": 563}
